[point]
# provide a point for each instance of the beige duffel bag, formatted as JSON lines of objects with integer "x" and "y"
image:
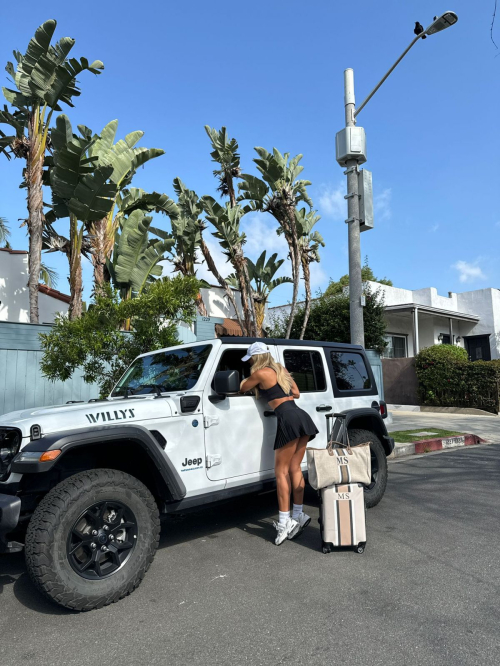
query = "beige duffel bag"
{"x": 339, "y": 463}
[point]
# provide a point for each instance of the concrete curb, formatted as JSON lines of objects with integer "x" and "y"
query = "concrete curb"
{"x": 427, "y": 445}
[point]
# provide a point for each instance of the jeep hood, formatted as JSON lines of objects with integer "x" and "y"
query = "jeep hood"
{"x": 80, "y": 415}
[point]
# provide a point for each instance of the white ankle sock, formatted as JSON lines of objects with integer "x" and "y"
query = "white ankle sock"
{"x": 284, "y": 516}
{"x": 297, "y": 510}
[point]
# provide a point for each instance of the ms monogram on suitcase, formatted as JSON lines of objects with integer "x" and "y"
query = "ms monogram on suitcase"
{"x": 342, "y": 517}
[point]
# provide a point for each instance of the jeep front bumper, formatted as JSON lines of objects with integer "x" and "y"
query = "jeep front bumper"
{"x": 10, "y": 509}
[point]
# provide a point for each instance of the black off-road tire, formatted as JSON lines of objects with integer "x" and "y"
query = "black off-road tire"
{"x": 374, "y": 492}
{"x": 51, "y": 525}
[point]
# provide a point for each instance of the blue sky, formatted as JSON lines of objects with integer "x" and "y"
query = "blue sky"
{"x": 272, "y": 72}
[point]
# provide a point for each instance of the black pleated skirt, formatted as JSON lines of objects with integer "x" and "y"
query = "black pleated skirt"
{"x": 293, "y": 422}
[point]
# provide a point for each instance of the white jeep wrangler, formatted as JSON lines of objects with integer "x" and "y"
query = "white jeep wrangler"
{"x": 83, "y": 485}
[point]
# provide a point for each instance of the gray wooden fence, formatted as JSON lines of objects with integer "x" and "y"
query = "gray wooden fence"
{"x": 22, "y": 385}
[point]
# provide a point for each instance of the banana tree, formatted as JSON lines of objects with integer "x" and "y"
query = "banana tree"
{"x": 263, "y": 283}
{"x": 136, "y": 256}
{"x": 279, "y": 192}
{"x": 309, "y": 243}
{"x": 225, "y": 154}
{"x": 82, "y": 191}
{"x": 43, "y": 78}
{"x": 124, "y": 158}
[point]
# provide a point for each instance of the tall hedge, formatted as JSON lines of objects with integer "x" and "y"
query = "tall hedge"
{"x": 447, "y": 378}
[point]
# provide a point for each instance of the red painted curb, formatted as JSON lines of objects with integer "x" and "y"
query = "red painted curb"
{"x": 426, "y": 445}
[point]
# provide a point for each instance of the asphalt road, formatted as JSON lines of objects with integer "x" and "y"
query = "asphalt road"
{"x": 425, "y": 591}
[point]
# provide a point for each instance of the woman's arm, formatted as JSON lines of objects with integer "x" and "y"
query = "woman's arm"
{"x": 251, "y": 382}
{"x": 295, "y": 388}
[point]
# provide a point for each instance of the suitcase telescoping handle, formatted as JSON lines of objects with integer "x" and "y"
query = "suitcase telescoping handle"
{"x": 344, "y": 440}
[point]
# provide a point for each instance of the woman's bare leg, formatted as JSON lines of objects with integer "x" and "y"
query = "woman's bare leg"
{"x": 282, "y": 461}
{"x": 295, "y": 472}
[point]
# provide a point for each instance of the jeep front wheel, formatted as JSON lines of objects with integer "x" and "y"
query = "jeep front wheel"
{"x": 375, "y": 491}
{"x": 92, "y": 538}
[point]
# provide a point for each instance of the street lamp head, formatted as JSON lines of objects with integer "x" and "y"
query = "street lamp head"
{"x": 441, "y": 23}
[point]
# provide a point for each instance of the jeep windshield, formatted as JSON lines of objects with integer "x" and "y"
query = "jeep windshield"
{"x": 174, "y": 370}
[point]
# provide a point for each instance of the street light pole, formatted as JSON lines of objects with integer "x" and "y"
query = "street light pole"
{"x": 353, "y": 224}
{"x": 352, "y": 152}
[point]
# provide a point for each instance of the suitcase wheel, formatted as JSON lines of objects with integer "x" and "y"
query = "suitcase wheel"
{"x": 359, "y": 549}
{"x": 327, "y": 549}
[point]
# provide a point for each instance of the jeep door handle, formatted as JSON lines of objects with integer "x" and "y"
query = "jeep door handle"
{"x": 323, "y": 408}
{"x": 269, "y": 413}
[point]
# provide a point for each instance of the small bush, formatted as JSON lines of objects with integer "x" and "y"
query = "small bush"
{"x": 447, "y": 378}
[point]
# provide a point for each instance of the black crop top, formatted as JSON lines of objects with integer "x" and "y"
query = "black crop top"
{"x": 274, "y": 393}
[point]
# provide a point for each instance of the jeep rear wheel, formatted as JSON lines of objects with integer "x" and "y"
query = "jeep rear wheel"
{"x": 92, "y": 538}
{"x": 375, "y": 491}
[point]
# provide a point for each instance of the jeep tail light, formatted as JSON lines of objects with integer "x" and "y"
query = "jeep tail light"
{"x": 383, "y": 409}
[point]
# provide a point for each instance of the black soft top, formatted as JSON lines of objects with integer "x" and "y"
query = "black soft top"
{"x": 280, "y": 342}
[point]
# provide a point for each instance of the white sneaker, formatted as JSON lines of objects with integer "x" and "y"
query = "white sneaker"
{"x": 302, "y": 522}
{"x": 284, "y": 530}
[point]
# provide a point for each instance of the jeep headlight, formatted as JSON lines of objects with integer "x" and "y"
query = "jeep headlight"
{"x": 10, "y": 441}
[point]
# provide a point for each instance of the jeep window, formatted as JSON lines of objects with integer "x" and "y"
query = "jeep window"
{"x": 350, "y": 371}
{"x": 231, "y": 360}
{"x": 307, "y": 369}
{"x": 175, "y": 370}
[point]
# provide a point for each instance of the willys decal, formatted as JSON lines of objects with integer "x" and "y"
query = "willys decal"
{"x": 116, "y": 415}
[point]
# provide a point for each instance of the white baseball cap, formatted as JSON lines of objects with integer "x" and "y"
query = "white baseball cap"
{"x": 254, "y": 349}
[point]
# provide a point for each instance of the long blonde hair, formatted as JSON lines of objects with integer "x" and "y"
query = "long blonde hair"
{"x": 267, "y": 361}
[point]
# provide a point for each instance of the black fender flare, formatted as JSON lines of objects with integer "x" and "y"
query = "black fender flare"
{"x": 70, "y": 439}
{"x": 369, "y": 418}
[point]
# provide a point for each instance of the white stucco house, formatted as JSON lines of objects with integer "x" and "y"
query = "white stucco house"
{"x": 14, "y": 294}
{"x": 420, "y": 318}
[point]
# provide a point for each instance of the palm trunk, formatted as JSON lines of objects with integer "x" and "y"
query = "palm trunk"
{"x": 213, "y": 269}
{"x": 75, "y": 268}
{"x": 260, "y": 311}
{"x": 253, "y": 314}
{"x": 293, "y": 243}
{"x": 307, "y": 282}
{"x": 98, "y": 231}
{"x": 238, "y": 264}
{"x": 35, "y": 208}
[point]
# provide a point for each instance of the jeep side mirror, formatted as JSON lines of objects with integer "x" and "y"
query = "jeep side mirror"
{"x": 226, "y": 381}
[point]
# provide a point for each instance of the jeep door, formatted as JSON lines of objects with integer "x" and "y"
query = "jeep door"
{"x": 239, "y": 436}
{"x": 310, "y": 372}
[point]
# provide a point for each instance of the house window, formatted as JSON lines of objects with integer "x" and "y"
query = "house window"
{"x": 306, "y": 368}
{"x": 396, "y": 346}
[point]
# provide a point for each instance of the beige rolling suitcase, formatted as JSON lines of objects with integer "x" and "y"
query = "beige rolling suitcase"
{"x": 342, "y": 517}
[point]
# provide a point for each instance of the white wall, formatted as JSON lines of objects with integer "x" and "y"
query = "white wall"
{"x": 218, "y": 304}
{"x": 14, "y": 294}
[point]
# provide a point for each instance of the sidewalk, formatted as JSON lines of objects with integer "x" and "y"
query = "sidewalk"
{"x": 485, "y": 427}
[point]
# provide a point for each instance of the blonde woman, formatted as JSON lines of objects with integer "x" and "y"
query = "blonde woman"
{"x": 295, "y": 429}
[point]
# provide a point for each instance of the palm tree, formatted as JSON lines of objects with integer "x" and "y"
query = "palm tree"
{"x": 48, "y": 276}
{"x": 225, "y": 154}
{"x": 82, "y": 191}
{"x": 43, "y": 78}
{"x": 309, "y": 242}
{"x": 279, "y": 193}
{"x": 187, "y": 229}
{"x": 262, "y": 274}
{"x": 226, "y": 221}
{"x": 4, "y": 231}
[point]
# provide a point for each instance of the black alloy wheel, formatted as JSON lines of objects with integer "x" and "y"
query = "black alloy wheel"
{"x": 102, "y": 539}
